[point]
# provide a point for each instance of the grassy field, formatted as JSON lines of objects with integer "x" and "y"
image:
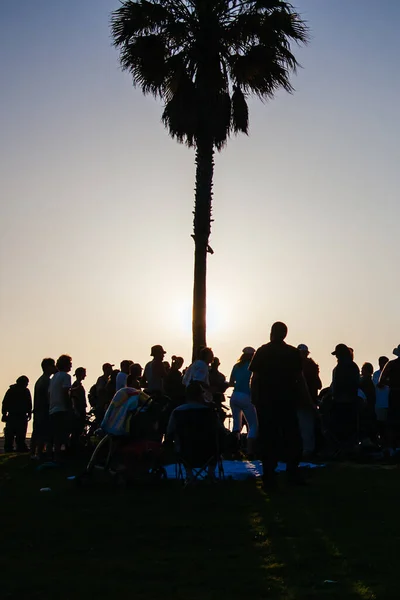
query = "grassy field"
{"x": 230, "y": 540}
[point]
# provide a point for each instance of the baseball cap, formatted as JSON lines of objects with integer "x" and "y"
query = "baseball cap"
{"x": 340, "y": 349}
{"x": 302, "y": 347}
{"x": 107, "y": 366}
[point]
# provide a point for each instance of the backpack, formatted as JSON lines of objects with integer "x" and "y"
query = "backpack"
{"x": 92, "y": 396}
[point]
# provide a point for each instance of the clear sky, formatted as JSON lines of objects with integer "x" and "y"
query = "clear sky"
{"x": 96, "y": 199}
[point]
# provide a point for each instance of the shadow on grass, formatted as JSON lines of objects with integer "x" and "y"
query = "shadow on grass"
{"x": 230, "y": 540}
{"x": 148, "y": 543}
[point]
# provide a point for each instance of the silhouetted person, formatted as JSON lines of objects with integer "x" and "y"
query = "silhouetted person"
{"x": 111, "y": 386}
{"x": 101, "y": 396}
{"x": 306, "y": 409}
{"x": 368, "y": 388}
{"x": 123, "y": 374}
{"x": 60, "y": 404}
{"x": 199, "y": 371}
{"x": 382, "y": 400}
{"x": 155, "y": 372}
{"x": 310, "y": 372}
{"x": 390, "y": 376}
{"x": 79, "y": 405}
{"x": 344, "y": 388}
{"x": 174, "y": 387}
{"x": 41, "y": 434}
{"x": 276, "y": 385}
{"x": 16, "y": 412}
{"x": 241, "y": 404}
{"x": 134, "y": 379}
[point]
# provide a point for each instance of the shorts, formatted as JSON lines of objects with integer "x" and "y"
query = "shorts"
{"x": 60, "y": 426}
{"x": 381, "y": 414}
{"x": 41, "y": 426}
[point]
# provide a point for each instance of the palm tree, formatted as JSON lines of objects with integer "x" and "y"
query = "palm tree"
{"x": 203, "y": 58}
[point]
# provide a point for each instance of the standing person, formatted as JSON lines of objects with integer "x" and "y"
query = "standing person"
{"x": 276, "y": 385}
{"x": 100, "y": 400}
{"x": 306, "y": 411}
{"x": 368, "y": 413}
{"x": 241, "y": 399}
{"x": 390, "y": 376}
{"x": 41, "y": 419}
{"x": 79, "y": 405}
{"x": 135, "y": 376}
{"x": 154, "y": 372}
{"x": 344, "y": 388}
{"x": 111, "y": 386}
{"x": 123, "y": 374}
{"x": 199, "y": 371}
{"x": 174, "y": 387}
{"x": 16, "y": 412}
{"x": 60, "y": 404}
{"x": 382, "y": 400}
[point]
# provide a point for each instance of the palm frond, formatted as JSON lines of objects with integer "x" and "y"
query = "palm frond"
{"x": 240, "y": 111}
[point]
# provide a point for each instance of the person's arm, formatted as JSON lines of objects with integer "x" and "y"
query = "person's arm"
{"x": 29, "y": 406}
{"x": 384, "y": 379}
{"x": 232, "y": 378}
{"x": 5, "y": 406}
{"x": 66, "y": 386}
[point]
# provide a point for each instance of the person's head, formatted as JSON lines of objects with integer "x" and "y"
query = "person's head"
{"x": 247, "y": 354}
{"x": 80, "y": 373}
{"x": 195, "y": 392}
{"x": 49, "y": 366}
{"x": 278, "y": 332}
{"x": 382, "y": 360}
{"x": 367, "y": 370}
{"x": 22, "y": 381}
{"x": 207, "y": 355}
{"x": 167, "y": 366}
{"x": 107, "y": 369}
{"x": 215, "y": 363}
{"x": 176, "y": 363}
{"x": 396, "y": 351}
{"x": 125, "y": 365}
{"x": 135, "y": 370}
{"x": 157, "y": 352}
{"x": 342, "y": 352}
{"x": 303, "y": 349}
{"x": 64, "y": 363}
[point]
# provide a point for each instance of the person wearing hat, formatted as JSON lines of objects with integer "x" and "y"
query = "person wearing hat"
{"x": 276, "y": 385}
{"x": 155, "y": 372}
{"x": 344, "y": 389}
{"x": 78, "y": 401}
{"x": 241, "y": 399}
{"x": 390, "y": 376}
{"x": 306, "y": 410}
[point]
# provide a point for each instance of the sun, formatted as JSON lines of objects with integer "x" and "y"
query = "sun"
{"x": 218, "y": 312}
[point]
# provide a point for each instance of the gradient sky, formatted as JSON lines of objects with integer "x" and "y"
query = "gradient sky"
{"x": 96, "y": 199}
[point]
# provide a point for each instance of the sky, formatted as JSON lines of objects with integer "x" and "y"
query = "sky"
{"x": 96, "y": 258}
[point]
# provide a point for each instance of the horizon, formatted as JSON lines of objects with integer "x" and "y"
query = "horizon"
{"x": 97, "y": 200}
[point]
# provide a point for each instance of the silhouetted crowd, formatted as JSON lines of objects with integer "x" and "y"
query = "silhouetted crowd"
{"x": 278, "y": 407}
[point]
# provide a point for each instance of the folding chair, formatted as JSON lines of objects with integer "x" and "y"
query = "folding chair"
{"x": 198, "y": 441}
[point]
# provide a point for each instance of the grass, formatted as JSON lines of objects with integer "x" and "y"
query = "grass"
{"x": 231, "y": 540}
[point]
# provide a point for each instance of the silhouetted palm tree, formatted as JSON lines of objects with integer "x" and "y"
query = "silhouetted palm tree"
{"x": 203, "y": 58}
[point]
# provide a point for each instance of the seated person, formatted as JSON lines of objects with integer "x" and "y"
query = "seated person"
{"x": 196, "y": 431}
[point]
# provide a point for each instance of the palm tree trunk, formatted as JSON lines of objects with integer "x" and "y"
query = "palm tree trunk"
{"x": 201, "y": 234}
